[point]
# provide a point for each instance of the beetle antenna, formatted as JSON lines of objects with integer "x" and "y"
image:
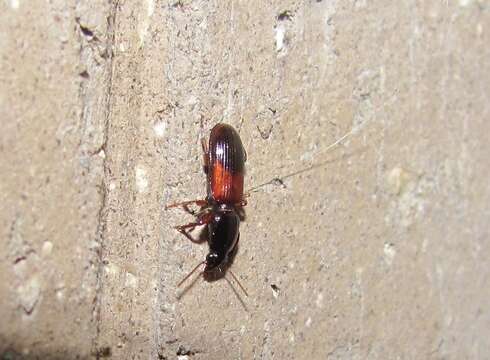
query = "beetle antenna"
{"x": 280, "y": 180}
{"x": 192, "y": 272}
{"x": 238, "y": 282}
{"x": 236, "y": 293}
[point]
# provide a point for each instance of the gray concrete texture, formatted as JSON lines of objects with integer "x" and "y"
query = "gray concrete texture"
{"x": 379, "y": 251}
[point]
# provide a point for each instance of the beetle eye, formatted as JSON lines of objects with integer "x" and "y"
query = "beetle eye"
{"x": 211, "y": 258}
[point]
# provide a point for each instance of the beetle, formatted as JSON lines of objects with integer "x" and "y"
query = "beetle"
{"x": 222, "y": 209}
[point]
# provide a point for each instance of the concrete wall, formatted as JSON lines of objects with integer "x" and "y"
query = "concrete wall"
{"x": 379, "y": 251}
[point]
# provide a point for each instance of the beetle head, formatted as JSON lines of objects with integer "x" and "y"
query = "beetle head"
{"x": 213, "y": 260}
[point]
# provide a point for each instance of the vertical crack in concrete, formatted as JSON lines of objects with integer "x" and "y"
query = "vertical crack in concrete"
{"x": 96, "y": 54}
{"x": 102, "y": 214}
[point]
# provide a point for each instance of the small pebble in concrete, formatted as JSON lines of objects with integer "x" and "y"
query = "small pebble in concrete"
{"x": 397, "y": 180}
{"x": 465, "y": 3}
{"x": 47, "y": 248}
{"x": 319, "y": 300}
{"x": 29, "y": 294}
{"x": 275, "y": 290}
{"x": 389, "y": 253}
{"x": 280, "y": 37}
{"x": 112, "y": 269}
{"x": 308, "y": 322}
{"x": 159, "y": 129}
{"x": 14, "y": 4}
{"x": 112, "y": 186}
{"x": 141, "y": 179}
{"x": 131, "y": 280}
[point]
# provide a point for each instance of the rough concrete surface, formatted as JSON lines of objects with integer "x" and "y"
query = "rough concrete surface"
{"x": 378, "y": 250}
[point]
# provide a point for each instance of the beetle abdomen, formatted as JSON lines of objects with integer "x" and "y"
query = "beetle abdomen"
{"x": 226, "y": 164}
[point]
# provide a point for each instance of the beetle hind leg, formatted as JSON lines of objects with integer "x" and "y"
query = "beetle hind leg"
{"x": 185, "y": 205}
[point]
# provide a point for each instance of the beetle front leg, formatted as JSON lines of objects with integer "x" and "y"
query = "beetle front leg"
{"x": 203, "y": 219}
{"x": 189, "y": 236}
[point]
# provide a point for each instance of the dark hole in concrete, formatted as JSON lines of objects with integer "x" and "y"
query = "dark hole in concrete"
{"x": 86, "y": 31}
{"x": 182, "y": 350}
{"x": 278, "y": 182}
{"x": 285, "y": 15}
{"x": 178, "y": 4}
{"x": 84, "y": 74}
{"x": 103, "y": 352}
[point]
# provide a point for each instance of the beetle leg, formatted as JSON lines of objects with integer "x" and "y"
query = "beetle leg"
{"x": 202, "y": 219}
{"x": 185, "y": 204}
{"x": 189, "y": 236}
{"x": 242, "y": 203}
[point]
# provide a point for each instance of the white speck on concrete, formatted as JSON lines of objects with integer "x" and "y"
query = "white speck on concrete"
{"x": 159, "y": 129}
{"x": 14, "y": 4}
{"x": 143, "y": 31}
{"x": 112, "y": 186}
{"x": 291, "y": 338}
{"x": 382, "y": 79}
{"x": 150, "y": 7}
{"x": 308, "y": 322}
{"x": 183, "y": 357}
{"x": 439, "y": 273}
{"x": 309, "y": 154}
{"x": 131, "y": 280}
{"x": 29, "y": 294}
{"x": 319, "y": 300}
{"x": 397, "y": 180}
{"x": 291, "y": 265}
{"x": 389, "y": 253}
{"x": 275, "y": 293}
{"x": 101, "y": 153}
{"x": 465, "y": 3}
{"x": 170, "y": 307}
{"x": 411, "y": 190}
{"x": 280, "y": 37}
{"x": 20, "y": 268}
{"x": 60, "y": 291}
{"x": 47, "y": 248}
{"x": 141, "y": 179}
{"x": 144, "y": 22}
{"x": 112, "y": 269}
{"x": 479, "y": 29}
{"x": 359, "y": 4}
{"x": 192, "y": 101}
